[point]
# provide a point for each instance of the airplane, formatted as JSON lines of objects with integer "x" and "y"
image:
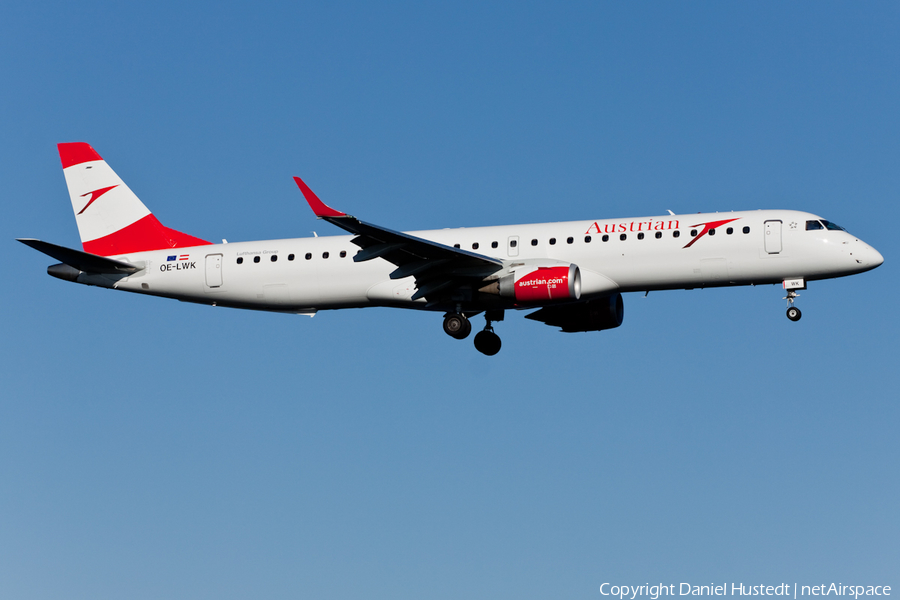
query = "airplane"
{"x": 573, "y": 273}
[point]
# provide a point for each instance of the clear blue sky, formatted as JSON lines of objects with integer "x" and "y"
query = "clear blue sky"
{"x": 156, "y": 449}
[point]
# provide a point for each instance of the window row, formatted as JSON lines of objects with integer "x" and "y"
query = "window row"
{"x": 274, "y": 257}
{"x": 587, "y": 239}
{"x": 569, "y": 240}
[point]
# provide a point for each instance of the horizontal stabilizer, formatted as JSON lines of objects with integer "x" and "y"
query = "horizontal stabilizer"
{"x": 89, "y": 263}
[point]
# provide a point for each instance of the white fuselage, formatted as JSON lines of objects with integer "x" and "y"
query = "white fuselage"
{"x": 657, "y": 253}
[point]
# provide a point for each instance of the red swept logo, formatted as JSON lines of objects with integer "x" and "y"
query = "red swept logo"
{"x": 706, "y": 229}
{"x": 94, "y": 195}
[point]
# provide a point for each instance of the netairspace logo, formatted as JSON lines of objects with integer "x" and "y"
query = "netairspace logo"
{"x": 654, "y": 592}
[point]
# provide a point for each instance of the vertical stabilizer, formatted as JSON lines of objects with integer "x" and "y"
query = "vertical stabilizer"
{"x": 111, "y": 218}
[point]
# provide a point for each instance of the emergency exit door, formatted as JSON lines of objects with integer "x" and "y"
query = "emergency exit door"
{"x": 512, "y": 245}
{"x": 773, "y": 237}
{"x": 213, "y": 270}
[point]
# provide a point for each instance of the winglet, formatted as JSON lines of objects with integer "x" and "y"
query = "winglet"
{"x": 317, "y": 206}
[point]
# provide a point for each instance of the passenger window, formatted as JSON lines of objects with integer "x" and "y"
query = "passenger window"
{"x": 746, "y": 230}
{"x": 729, "y": 231}
{"x": 290, "y": 257}
{"x": 641, "y": 236}
{"x": 256, "y": 259}
{"x": 513, "y": 243}
{"x": 308, "y": 256}
{"x": 552, "y": 241}
{"x": 605, "y": 238}
{"x": 534, "y": 242}
{"x": 811, "y": 225}
{"x": 475, "y": 246}
{"x": 693, "y": 233}
{"x": 324, "y": 255}
{"x": 570, "y": 240}
{"x": 676, "y": 233}
{"x": 494, "y": 244}
{"x": 240, "y": 259}
{"x": 623, "y": 237}
{"x": 274, "y": 257}
{"x": 659, "y": 235}
{"x": 343, "y": 254}
{"x": 712, "y": 231}
{"x": 587, "y": 239}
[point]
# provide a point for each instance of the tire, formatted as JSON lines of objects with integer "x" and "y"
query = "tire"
{"x": 794, "y": 314}
{"x": 467, "y": 329}
{"x": 457, "y": 326}
{"x": 487, "y": 342}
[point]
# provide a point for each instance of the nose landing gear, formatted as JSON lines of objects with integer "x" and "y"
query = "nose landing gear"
{"x": 793, "y": 313}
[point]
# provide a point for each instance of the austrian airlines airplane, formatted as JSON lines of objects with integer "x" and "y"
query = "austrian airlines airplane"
{"x": 573, "y": 273}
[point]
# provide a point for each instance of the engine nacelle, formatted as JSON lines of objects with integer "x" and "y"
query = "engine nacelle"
{"x": 542, "y": 284}
{"x": 593, "y": 315}
{"x": 605, "y": 313}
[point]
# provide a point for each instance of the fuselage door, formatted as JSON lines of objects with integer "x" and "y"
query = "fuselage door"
{"x": 773, "y": 237}
{"x": 213, "y": 270}
{"x": 512, "y": 245}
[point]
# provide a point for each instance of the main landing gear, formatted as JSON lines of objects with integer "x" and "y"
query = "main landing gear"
{"x": 487, "y": 342}
{"x": 458, "y": 326}
{"x": 793, "y": 313}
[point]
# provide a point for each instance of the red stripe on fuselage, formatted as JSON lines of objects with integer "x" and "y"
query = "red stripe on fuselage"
{"x": 76, "y": 153}
{"x": 142, "y": 235}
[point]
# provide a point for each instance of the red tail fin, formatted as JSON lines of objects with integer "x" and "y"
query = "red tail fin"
{"x": 111, "y": 218}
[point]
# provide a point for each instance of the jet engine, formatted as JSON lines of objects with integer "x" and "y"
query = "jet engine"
{"x": 530, "y": 283}
{"x": 592, "y": 315}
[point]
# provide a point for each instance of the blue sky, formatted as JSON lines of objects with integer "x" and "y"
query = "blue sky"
{"x": 150, "y": 448}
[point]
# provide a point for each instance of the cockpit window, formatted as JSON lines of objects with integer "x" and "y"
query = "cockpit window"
{"x": 833, "y": 226}
{"x": 810, "y": 225}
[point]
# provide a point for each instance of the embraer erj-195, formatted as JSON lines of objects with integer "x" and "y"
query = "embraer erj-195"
{"x": 573, "y": 273}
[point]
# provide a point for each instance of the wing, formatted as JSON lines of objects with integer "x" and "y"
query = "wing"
{"x": 438, "y": 269}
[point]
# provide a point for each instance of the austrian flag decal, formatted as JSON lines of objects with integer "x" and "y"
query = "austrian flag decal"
{"x": 178, "y": 262}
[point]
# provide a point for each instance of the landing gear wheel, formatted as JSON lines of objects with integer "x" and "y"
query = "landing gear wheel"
{"x": 487, "y": 342}
{"x": 457, "y": 326}
{"x": 793, "y": 313}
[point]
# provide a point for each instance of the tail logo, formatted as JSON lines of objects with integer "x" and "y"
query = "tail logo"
{"x": 94, "y": 195}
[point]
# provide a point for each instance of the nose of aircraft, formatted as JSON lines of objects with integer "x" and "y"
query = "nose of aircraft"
{"x": 869, "y": 256}
{"x": 877, "y": 258}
